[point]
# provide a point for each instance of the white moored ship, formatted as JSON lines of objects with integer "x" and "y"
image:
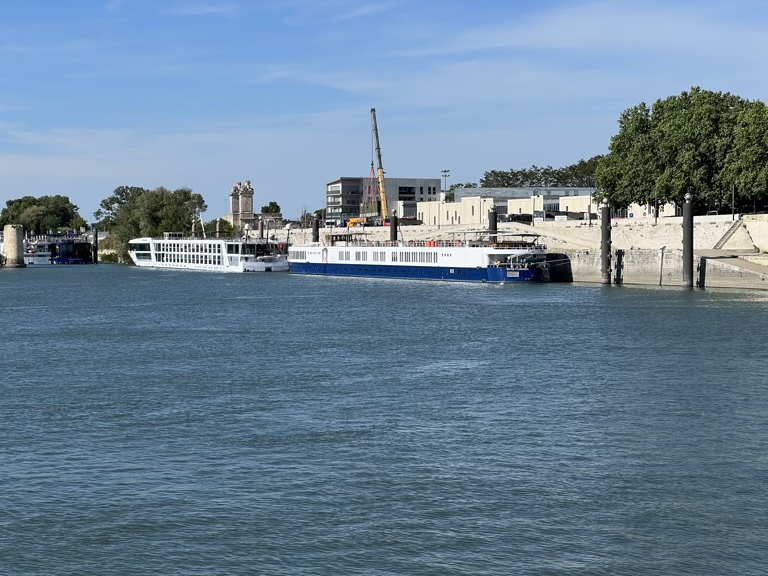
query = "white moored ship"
{"x": 480, "y": 256}
{"x": 175, "y": 251}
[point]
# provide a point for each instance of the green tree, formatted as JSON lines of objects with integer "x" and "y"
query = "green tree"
{"x": 272, "y": 208}
{"x": 110, "y": 208}
{"x": 580, "y": 174}
{"x": 132, "y": 212}
{"x": 40, "y": 215}
{"x": 700, "y": 142}
{"x": 626, "y": 174}
{"x": 227, "y": 230}
{"x": 746, "y": 167}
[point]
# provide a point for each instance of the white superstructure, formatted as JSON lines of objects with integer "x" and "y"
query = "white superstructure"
{"x": 175, "y": 251}
{"x": 485, "y": 257}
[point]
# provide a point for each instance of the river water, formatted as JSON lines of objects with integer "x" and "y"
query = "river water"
{"x": 202, "y": 424}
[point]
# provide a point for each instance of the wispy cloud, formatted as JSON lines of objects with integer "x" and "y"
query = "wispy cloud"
{"x": 114, "y": 5}
{"x": 197, "y": 9}
{"x": 304, "y": 12}
{"x": 618, "y": 27}
{"x": 362, "y": 11}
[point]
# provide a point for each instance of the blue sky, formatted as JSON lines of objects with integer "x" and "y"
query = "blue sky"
{"x": 102, "y": 93}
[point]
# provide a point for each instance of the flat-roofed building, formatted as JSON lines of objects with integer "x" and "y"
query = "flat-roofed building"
{"x": 348, "y": 197}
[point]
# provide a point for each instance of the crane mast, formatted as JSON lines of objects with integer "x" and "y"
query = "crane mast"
{"x": 382, "y": 191}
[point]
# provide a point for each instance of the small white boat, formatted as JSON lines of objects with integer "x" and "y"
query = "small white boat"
{"x": 270, "y": 263}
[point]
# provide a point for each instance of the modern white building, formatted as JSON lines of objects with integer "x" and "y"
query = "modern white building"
{"x": 471, "y": 206}
{"x": 349, "y": 197}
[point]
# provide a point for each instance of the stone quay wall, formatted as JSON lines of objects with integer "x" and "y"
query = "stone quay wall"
{"x": 655, "y": 268}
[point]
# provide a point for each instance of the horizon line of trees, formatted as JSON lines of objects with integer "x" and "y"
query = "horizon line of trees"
{"x": 42, "y": 215}
{"x": 711, "y": 144}
{"x": 580, "y": 174}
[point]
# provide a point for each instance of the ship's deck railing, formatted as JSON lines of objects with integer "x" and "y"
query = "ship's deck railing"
{"x": 439, "y": 244}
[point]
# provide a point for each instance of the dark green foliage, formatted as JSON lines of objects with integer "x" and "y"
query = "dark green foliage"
{"x": 132, "y": 212}
{"x": 580, "y": 174}
{"x": 40, "y": 215}
{"x": 702, "y": 142}
{"x": 272, "y": 208}
{"x": 226, "y": 229}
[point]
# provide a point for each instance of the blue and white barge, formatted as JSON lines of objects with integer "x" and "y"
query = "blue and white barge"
{"x": 479, "y": 256}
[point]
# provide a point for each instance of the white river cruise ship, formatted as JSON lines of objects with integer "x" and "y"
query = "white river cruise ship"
{"x": 176, "y": 251}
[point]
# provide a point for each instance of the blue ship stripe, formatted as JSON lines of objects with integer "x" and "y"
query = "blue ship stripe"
{"x": 417, "y": 272}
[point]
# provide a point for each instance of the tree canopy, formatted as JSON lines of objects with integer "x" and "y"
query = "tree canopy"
{"x": 580, "y": 174}
{"x": 271, "y": 208}
{"x": 707, "y": 143}
{"x": 133, "y": 212}
{"x": 41, "y": 215}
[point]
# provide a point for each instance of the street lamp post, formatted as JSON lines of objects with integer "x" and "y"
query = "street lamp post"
{"x": 446, "y": 174}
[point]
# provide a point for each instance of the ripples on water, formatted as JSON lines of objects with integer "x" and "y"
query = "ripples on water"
{"x": 181, "y": 423}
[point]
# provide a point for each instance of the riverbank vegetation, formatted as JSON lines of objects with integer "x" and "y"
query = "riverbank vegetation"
{"x": 713, "y": 145}
{"x": 132, "y": 212}
{"x": 42, "y": 215}
{"x": 581, "y": 174}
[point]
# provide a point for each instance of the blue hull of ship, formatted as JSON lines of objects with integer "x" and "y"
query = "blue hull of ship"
{"x": 419, "y": 272}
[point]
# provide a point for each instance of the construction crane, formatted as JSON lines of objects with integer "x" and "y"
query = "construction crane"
{"x": 382, "y": 191}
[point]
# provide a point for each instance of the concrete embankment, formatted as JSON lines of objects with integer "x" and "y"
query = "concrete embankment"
{"x": 728, "y": 252}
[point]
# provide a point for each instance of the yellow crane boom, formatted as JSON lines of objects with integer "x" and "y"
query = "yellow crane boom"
{"x": 382, "y": 191}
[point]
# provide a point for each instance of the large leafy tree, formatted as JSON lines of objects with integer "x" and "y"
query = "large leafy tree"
{"x": 702, "y": 142}
{"x": 110, "y": 208}
{"x": 746, "y": 167}
{"x": 40, "y": 215}
{"x": 132, "y": 212}
{"x": 627, "y": 171}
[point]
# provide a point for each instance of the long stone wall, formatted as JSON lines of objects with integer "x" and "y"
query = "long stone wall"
{"x": 654, "y": 268}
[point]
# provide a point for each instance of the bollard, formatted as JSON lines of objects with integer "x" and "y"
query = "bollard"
{"x": 688, "y": 242}
{"x": 605, "y": 243}
{"x": 95, "y": 259}
{"x": 393, "y": 227}
{"x": 492, "y": 224}
{"x": 315, "y": 230}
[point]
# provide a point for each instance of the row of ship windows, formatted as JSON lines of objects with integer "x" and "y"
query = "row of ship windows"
{"x": 381, "y": 256}
{"x": 183, "y": 258}
{"x": 174, "y": 248}
{"x": 179, "y": 248}
{"x": 377, "y": 256}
